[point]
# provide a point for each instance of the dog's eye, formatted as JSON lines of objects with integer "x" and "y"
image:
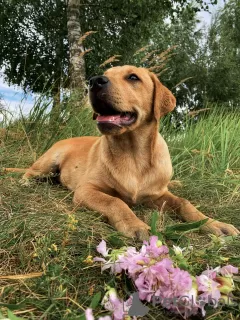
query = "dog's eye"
{"x": 133, "y": 77}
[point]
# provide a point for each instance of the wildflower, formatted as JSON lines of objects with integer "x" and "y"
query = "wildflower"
{"x": 154, "y": 248}
{"x": 225, "y": 282}
{"x": 187, "y": 304}
{"x": 54, "y": 247}
{"x": 88, "y": 260}
{"x": 117, "y": 306}
{"x": 155, "y": 276}
{"x": 218, "y": 241}
{"x": 181, "y": 282}
{"x": 211, "y": 273}
{"x": 102, "y": 248}
{"x": 132, "y": 261}
{"x": 208, "y": 286}
{"x": 177, "y": 250}
{"x": 89, "y": 315}
{"x": 228, "y": 270}
{"x": 113, "y": 262}
{"x": 210, "y": 292}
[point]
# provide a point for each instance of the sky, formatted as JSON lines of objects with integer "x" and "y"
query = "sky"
{"x": 13, "y": 97}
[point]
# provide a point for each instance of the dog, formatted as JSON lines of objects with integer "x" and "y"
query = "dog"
{"x": 130, "y": 163}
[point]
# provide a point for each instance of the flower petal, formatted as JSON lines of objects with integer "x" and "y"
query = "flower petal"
{"x": 99, "y": 259}
{"x": 102, "y": 248}
{"x": 228, "y": 270}
{"x": 89, "y": 314}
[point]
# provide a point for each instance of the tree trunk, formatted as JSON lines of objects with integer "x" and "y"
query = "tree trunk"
{"x": 77, "y": 63}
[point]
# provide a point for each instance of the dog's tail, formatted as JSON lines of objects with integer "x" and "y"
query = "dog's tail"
{"x": 20, "y": 170}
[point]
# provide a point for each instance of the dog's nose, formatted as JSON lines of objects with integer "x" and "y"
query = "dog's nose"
{"x": 98, "y": 82}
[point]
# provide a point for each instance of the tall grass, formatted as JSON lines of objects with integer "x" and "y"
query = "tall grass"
{"x": 208, "y": 145}
{"x": 41, "y": 131}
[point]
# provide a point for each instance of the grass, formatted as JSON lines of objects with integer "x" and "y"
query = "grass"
{"x": 45, "y": 238}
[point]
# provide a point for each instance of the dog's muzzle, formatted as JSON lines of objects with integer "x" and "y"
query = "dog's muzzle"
{"x": 105, "y": 112}
{"x": 98, "y": 83}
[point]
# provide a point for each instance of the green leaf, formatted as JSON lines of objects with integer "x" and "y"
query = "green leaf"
{"x": 95, "y": 300}
{"x": 11, "y": 316}
{"x": 174, "y": 236}
{"x": 2, "y": 316}
{"x": 185, "y": 227}
{"x": 115, "y": 241}
{"x": 82, "y": 317}
{"x": 154, "y": 220}
{"x": 11, "y": 306}
{"x": 234, "y": 259}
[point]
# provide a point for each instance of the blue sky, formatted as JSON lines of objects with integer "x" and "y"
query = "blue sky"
{"x": 13, "y": 97}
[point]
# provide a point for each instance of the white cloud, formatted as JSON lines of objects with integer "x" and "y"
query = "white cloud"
{"x": 13, "y": 99}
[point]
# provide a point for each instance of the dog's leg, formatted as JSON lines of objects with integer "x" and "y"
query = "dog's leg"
{"x": 189, "y": 213}
{"x": 45, "y": 165}
{"x": 117, "y": 212}
{"x": 18, "y": 170}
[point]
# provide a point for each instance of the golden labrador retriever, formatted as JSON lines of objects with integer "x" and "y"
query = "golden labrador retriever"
{"x": 130, "y": 163}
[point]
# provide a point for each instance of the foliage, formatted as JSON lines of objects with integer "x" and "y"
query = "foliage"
{"x": 223, "y": 82}
{"x": 34, "y": 47}
{"x": 34, "y": 50}
{"x": 126, "y": 26}
{"x": 176, "y": 56}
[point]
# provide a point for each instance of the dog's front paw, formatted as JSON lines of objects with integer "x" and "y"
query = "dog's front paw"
{"x": 134, "y": 228}
{"x": 220, "y": 228}
{"x": 25, "y": 182}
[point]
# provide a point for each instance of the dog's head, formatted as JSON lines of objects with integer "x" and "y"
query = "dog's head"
{"x": 127, "y": 97}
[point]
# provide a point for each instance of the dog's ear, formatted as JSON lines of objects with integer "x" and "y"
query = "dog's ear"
{"x": 163, "y": 99}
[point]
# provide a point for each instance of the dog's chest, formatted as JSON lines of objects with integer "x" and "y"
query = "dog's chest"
{"x": 137, "y": 184}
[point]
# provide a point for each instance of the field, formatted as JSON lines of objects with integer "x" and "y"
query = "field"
{"x": 45, "y": 240}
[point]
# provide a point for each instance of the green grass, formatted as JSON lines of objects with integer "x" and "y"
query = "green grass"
{"x": 38, "y": 234}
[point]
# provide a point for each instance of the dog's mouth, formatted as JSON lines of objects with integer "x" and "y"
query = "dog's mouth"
{"x": 113, "y": 117}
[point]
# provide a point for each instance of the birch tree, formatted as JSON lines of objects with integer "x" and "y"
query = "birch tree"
{"x": 76, "y": 49}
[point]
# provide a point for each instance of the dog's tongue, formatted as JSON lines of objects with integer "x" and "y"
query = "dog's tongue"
{"x": 114, "y": 119}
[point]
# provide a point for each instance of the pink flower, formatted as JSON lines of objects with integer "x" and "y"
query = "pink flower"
{"x": 154, "y": 248}
{"x": 89, "y": 315}
{"x": 155, "y": 276}
{"x": 102, "y": 248}
{"x": 228, "y": 270}
{"x": 187, "y": 304}
{"x": 132, "y": 261}
{"x": 112, "y": 263}
{"x": 210, "y": 292}
{"x": 153, "y": 279}
{"x": 181, "y": 282}
{"x": 116, "y": 305}
{"x": 211, "y": 273}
